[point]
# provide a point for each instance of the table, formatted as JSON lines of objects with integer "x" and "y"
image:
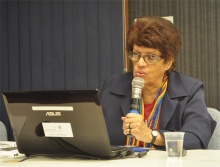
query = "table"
{"x": 154, "y": 158}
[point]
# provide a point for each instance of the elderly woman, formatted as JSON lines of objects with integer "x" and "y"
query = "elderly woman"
{"x": 170, "y": 101}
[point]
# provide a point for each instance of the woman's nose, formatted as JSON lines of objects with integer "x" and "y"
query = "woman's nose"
{"x": 141, "y": 62}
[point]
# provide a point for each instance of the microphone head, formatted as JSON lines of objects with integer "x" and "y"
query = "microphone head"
{"x": 138, "y": 82}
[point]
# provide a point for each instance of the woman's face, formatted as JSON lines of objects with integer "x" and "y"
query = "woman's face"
{"x": 151, "y": 73}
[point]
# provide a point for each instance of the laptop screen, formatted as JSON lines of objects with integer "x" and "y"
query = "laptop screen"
{"x": 58, "y": 122}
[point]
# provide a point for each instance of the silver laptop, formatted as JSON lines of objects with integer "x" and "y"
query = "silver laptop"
{"x": 60, "y": 123}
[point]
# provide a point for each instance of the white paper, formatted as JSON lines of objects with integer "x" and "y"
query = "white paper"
{"x": 57, "y": 129}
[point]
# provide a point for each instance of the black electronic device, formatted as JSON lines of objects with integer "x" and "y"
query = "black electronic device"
{"x": 60, "y": 123}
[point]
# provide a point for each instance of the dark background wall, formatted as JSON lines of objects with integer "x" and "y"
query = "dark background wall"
{"x": 55, "y": 45}
{"x": 199, "y": 22}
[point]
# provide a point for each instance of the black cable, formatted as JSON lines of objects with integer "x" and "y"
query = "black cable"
{"x": 141, "y": 154}
{"x": 78, "y": 153}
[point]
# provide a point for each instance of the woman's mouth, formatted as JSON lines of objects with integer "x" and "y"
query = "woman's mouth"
{"x": 139, "y": 74}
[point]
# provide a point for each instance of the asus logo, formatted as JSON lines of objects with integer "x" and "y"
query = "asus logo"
{"x": 53, "y": 114}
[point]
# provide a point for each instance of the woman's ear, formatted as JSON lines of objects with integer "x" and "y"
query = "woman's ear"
{"x": 168, "y": 63}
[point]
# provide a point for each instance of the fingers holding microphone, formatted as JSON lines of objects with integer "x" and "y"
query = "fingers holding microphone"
{"x": 127, "y": 129}
{"x": 134, "y": 125}
{"x": 131, "y": 123}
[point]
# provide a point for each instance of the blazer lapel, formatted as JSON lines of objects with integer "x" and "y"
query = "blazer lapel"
{"x": 125, "y": 104}
{"x": 175, "y": 90}
{"x": 168, "y": 108}
{"x": 122, "y": 87}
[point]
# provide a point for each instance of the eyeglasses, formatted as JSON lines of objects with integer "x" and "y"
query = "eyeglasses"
{"x": 150, "y": 58}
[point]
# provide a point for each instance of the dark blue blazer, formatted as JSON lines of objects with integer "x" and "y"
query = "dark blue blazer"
{"x": 183, "y": 109}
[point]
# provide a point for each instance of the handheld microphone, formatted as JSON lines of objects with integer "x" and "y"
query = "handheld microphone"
{"x": 137, "y": 85}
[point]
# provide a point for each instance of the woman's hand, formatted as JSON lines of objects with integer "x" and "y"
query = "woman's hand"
{"x": 134, "y": 124}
